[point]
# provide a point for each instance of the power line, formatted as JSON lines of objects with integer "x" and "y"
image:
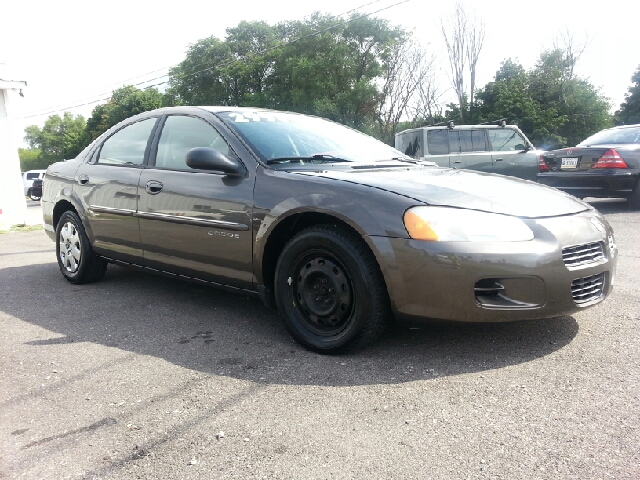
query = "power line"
{"x": 51, "y": 110}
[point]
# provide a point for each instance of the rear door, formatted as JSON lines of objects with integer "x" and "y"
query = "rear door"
{"x": 438, "y": 146}
{"x": 193, "y": 222}
{"x": 108, "y": 187}
{"x": 469, "y": 150}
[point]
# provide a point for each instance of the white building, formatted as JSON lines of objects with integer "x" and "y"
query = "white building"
{"x": 13, "y": 205}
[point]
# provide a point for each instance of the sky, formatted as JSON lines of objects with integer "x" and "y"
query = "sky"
{"x": 72, "y": 52}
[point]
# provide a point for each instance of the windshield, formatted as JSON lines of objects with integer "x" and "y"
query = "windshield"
{"x": 279, "y": 135}
{"x": 613, "y": 136}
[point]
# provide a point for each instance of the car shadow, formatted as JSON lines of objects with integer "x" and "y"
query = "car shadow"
{"x": 234, "y": 335}
{"x": 610, "y": 205}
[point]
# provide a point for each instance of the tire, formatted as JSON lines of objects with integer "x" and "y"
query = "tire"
{"x": 634, "y": 199}
{"x": 76, "y": 259}
{"x": 330, "y": 291}
{"x": 33, "y": 197}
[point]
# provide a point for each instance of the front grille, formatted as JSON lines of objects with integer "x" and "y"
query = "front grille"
{"x": 587, "y": 289}
{"x": 583, "y": 254}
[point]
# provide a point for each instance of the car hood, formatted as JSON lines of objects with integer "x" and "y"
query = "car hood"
{"x": 465, "y": 189}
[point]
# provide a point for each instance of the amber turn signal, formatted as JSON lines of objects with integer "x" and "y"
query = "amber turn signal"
{"x": 417, "y": 228}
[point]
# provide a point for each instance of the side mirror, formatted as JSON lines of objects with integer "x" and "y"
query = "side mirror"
{"x": 520, "y": 146}
{"x": 206, "y": 158}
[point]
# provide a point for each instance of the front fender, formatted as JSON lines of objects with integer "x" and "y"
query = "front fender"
{"x": 356, "y": 205}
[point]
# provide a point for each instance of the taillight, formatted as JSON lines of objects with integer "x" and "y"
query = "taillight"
{"x": 610, "y": 159}
{"x": 542, "y": 165}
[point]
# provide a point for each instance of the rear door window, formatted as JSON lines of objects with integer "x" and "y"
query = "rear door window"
{"x": 473, "y": 141}
{"x": 128, "y": 145}
{"x": 454, "y": 141}
{"x": 438, "y": 142}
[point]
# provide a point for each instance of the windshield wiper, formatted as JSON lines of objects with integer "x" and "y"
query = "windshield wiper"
{"x": 406, "y": 159}
{"x": 310, "y": 159}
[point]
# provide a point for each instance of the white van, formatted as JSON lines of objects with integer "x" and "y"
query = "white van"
{"x": 29, "y": 176}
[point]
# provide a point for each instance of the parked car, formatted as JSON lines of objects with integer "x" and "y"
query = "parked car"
{"x": 502, "y": 149}
{"x": 28, "y": 177}
{"x": 35, "y": 191}
{"x": 606, "y": 164}
{"x": 339, "y": 231}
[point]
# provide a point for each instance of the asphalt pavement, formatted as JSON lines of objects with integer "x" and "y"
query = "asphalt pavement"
{"x": 139, "y": 376}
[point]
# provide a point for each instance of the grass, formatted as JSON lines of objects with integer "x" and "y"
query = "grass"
{"x": 22, "y": 228}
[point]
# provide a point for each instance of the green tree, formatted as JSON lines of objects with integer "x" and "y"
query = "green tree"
{"x": 59, "y": 138}
{"x": 332, "y": 73}
{"x": 31, "y": 159}
{"x": 124, "y": 103}
{"x": 322, "y": 65}
{"x": 509, "y": 96}
{"x": 629, "y": 112}
{"x": 553, "y": 84}
{"x": 553, "y": 107}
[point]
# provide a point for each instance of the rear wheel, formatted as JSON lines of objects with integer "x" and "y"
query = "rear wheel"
{"x": 330, "y": 291}
{"x": 76, "y": 259}
{"x": 634, "y": 198}
{"x": 34, "y": 197}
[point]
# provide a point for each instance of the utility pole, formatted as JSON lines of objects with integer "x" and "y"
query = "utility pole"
{"x": 13, "y": 205}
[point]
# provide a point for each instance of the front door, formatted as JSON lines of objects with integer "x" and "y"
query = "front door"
{"x": 511, "y": 155}
{"x": 193, "y": 222}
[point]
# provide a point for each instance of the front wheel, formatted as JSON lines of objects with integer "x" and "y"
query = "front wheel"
{"x": 330, "y": 291}
{"x": 76, "y": 259}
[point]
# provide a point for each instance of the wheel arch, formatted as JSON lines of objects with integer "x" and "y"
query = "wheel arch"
{"x": 68, "y": 200}
{"x": 283, "y": 231}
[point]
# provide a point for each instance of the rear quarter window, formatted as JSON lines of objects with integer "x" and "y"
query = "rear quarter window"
{"x": 410, "y": 143}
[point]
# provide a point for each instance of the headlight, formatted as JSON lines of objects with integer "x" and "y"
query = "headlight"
{"x": 442, "y": 224}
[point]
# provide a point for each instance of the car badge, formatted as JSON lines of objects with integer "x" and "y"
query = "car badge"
{"x": 598, "y": 224}
{"x": 569, "y": 152}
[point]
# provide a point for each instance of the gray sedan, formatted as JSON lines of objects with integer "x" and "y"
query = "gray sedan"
{"x": 338, "y": 231}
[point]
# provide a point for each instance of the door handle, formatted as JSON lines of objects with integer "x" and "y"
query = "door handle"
{"x": 498, "y": 159}
{"x": 83, "y": 179}
{"x": 153, "y": 187}
{"x": 457, "y": 161}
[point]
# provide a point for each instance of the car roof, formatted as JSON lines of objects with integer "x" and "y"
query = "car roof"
{"x": 459, "y": 127}
{"x": 218, "y": 109}
{"x": 621, "y": 127}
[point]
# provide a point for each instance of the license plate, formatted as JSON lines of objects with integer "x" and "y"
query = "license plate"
{"x": 569, "y": 163}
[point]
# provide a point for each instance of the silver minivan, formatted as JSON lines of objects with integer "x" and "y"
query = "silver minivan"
{"x": 502, "y": 149}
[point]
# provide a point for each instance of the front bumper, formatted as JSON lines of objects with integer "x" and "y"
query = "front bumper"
{"x": 592, "y": 183}
{"x": 495, "y": 282}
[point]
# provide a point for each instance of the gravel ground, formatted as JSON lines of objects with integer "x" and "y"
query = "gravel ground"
{"x": 138, "y": 376}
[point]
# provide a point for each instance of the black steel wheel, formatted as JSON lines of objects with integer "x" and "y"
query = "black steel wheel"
{"x": 76, "y": 259}
{"x": 330, "y": 291}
